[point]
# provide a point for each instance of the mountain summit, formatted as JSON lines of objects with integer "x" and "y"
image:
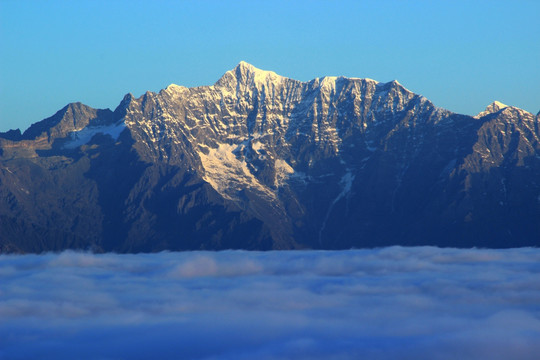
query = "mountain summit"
{"x": 246, "y": 76}
{"x": 261, "y": 161}
{"x": 246, "y": 72}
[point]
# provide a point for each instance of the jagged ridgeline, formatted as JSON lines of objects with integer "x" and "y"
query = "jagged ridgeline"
{"x": 260, "y": 161}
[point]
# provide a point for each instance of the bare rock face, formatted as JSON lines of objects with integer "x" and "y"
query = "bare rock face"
{"x": 260, "y": 161}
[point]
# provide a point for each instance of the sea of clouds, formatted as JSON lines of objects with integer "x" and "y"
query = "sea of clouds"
{"x": 388, "y": 303}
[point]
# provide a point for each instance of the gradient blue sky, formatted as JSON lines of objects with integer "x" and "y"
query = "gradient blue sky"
{"x": 461, "y": 55}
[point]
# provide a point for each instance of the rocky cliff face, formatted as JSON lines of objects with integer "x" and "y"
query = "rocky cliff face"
{"x": 259, "y": 161}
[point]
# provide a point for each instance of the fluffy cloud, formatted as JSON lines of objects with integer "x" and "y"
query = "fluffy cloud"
{"x": 417, "y": 303}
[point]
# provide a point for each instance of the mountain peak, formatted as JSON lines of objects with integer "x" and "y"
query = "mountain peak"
{"x": 245, "y": 65}
{"x": 492, "y": 108}
{"x": 496, "y": 106}
{"x": 246, "y": 70}
{"x": 246, "y": 73}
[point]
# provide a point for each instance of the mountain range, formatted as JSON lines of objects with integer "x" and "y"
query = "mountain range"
{"x": 259, "y": 161}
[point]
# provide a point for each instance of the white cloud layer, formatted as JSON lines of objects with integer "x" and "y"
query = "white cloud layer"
{"x": 390, "y": 303}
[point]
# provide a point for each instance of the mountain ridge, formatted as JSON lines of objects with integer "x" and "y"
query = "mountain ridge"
{"x": 261, "y": 161}
{"x": 244, "y": 66}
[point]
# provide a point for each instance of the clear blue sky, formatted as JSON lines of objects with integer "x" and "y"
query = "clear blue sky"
{"x": 460, "y": 54}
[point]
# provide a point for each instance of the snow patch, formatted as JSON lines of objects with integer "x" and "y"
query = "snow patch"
{"x": 227, "y": 174}
{"x": 346, "y": 186}
{"x": 83, "y": 136}
{"x": 300, "y": 176}
{"x": 256, "y": 145}
{"x": 346, "y": 183}
{"x": 283, "y": 171}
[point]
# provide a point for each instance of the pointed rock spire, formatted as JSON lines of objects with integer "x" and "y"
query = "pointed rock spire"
{"x": 124, "y": 104}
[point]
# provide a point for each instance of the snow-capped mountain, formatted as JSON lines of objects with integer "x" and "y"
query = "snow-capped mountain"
{"x": 261, "y": 161}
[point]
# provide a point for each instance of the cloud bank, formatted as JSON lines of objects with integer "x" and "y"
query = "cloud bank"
{"x": 389, "y": 303}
